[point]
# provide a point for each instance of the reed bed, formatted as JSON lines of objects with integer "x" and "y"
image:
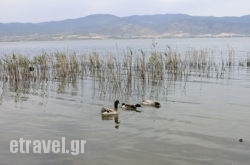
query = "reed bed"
{"x": 248, "y": 59}
{"x": 152, "y": 67}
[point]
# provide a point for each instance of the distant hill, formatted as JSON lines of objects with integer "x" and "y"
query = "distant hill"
{"x": 144, "y": 26}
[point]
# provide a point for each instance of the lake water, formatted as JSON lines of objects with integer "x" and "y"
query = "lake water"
{"x": 200, "y": 121}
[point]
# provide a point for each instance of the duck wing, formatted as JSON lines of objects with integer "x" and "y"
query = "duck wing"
{"x": 108, "y": 110}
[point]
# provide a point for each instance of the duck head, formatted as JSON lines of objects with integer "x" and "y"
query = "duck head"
{"x": 137, "y": 105}
{"x": 116, "y": 104}
{"x": 157, "y": 105}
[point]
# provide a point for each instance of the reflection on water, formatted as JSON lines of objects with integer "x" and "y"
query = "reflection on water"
{"x": 112, "y": 117}
{"x": 109, "y": 90}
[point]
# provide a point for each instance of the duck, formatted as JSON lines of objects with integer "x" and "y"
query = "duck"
{"x": 31, "y": 68}
{"x": 151, "y": 103}
{"x": 130, "y": 106}
{"x": 110, "y": 111}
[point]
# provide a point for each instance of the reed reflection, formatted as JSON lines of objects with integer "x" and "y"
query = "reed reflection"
{"x": 135, "y": 73}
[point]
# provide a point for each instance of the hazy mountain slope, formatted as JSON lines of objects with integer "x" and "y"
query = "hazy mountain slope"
{"x": 109, "y": 26}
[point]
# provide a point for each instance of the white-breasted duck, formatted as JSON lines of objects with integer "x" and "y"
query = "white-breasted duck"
{"x": 151, "y": 103}
{"x": 110, "y": 111}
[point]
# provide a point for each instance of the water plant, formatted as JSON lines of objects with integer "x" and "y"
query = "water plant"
{"x": 131, "y": 71}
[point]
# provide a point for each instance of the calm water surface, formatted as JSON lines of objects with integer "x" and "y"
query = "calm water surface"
{"x": 200, "y": 122}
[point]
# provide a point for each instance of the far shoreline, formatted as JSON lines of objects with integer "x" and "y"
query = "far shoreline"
{"x": 66, "y": 38}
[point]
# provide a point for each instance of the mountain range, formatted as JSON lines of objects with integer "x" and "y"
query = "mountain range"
{"x": 102, "y": 26}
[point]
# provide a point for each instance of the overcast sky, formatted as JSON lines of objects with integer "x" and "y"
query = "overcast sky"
{"x": 51, "y": 10}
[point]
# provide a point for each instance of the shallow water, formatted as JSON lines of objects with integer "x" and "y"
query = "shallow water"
{"x": 200, "y": 121}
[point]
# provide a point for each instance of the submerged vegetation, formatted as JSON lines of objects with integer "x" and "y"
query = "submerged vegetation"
{"x": 132, "y": 69}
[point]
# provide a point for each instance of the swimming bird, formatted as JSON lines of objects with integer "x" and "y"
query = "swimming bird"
{"x": 110, "y": 111}
{"x": 130, "y": 107}
{"x": 31, "y": 68}
{"x": 151, "y": 103}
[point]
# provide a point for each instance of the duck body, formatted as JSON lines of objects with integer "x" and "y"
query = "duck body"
{"x": 151, "y": 103}
{"x": 130, "y": 106}
{"x": 110, "y": 111}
